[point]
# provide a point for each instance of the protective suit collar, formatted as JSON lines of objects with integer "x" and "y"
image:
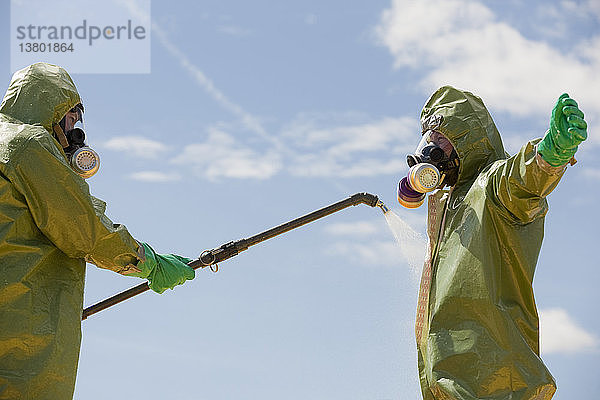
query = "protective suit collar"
{"x": 464, "y": 120}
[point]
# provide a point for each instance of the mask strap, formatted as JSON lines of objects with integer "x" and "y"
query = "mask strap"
{"x": 60, "y": 134}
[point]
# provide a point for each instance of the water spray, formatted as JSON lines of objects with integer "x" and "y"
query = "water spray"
{"x": 211, "y": 258}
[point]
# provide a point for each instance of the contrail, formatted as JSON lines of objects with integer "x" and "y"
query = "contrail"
{"x": 248, "y": 120}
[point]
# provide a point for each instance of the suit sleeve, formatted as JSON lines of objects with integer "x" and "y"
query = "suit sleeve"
{"x": 521, "y": 183}
{"x": 63, "y": 209}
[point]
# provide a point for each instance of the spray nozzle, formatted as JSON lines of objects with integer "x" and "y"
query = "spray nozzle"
{"x": 383, "y": 207}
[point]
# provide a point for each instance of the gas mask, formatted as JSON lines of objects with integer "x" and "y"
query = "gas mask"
{"x": 433, "y": 165}
{"x": 84, "y": 161}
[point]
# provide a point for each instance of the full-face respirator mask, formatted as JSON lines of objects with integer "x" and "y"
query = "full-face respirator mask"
{"x": 84, "y": 161}
{"x": 433, "y": 165}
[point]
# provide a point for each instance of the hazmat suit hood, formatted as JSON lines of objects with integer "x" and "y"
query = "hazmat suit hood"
{"x": 40, "y": 94}
{"x": 464, "y": 120}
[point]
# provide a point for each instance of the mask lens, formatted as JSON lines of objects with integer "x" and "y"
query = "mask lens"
{"x": 433, "y": 152}
{"x": 425, "y": 140}
{"x": 79, "y": 124}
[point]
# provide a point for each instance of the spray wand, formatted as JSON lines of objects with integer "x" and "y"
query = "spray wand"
{"x": 211, "y": 258}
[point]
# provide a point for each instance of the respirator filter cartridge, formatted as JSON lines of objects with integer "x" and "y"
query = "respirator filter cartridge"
{"x": 85, "y": 162}
{"x": 422, "y": 178}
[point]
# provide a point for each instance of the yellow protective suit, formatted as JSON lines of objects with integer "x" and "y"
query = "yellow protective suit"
{"x": 477, "y": 323}
{"x": 49, "y": 226}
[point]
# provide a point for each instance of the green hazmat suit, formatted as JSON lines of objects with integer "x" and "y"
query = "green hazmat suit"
{"x": 477, "y": 323}
{"x": 49, "y": 226}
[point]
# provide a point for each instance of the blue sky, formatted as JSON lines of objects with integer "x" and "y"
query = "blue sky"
{"x": 258, "y": 112}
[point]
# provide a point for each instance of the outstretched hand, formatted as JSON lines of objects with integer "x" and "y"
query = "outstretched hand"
{"x": 567, "y": 130}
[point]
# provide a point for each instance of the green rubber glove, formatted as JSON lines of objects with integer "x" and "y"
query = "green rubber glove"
{"x": 163, "y": 271}
{"x": 567, "y": 130}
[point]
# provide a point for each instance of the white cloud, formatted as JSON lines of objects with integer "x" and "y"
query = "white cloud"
{"x": 137, "y": 145}
{"x": 221, "y": 156}
{"x": 350, "y": 150}
{"x": 556, "y": 26}
{"x": 322, "y": 147}
{"x": 367, "y": 149}
{"x": 234, "y": 30}
{"x": 463, "y": 43}
{"x": 593, "y": 7}
{"x": 369, "y": 243}
{"x": 513, "y": 141}
{"x": 154, "y": 176}
{"x": 560, "y": 334}
{"x": 310, "y": 19}
{"x": 593, "y": 173}
{"x": 250, "y": 121}
{"x": 374, "y": 253}
{"x": 581, "y": 9}
{"x": 319, "y": 165}
{"x": 359, "y": 228}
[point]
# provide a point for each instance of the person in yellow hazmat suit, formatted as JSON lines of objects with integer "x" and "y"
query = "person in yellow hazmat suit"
{"x": 50, "y": 226}
{"x": 477, "y": 326}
